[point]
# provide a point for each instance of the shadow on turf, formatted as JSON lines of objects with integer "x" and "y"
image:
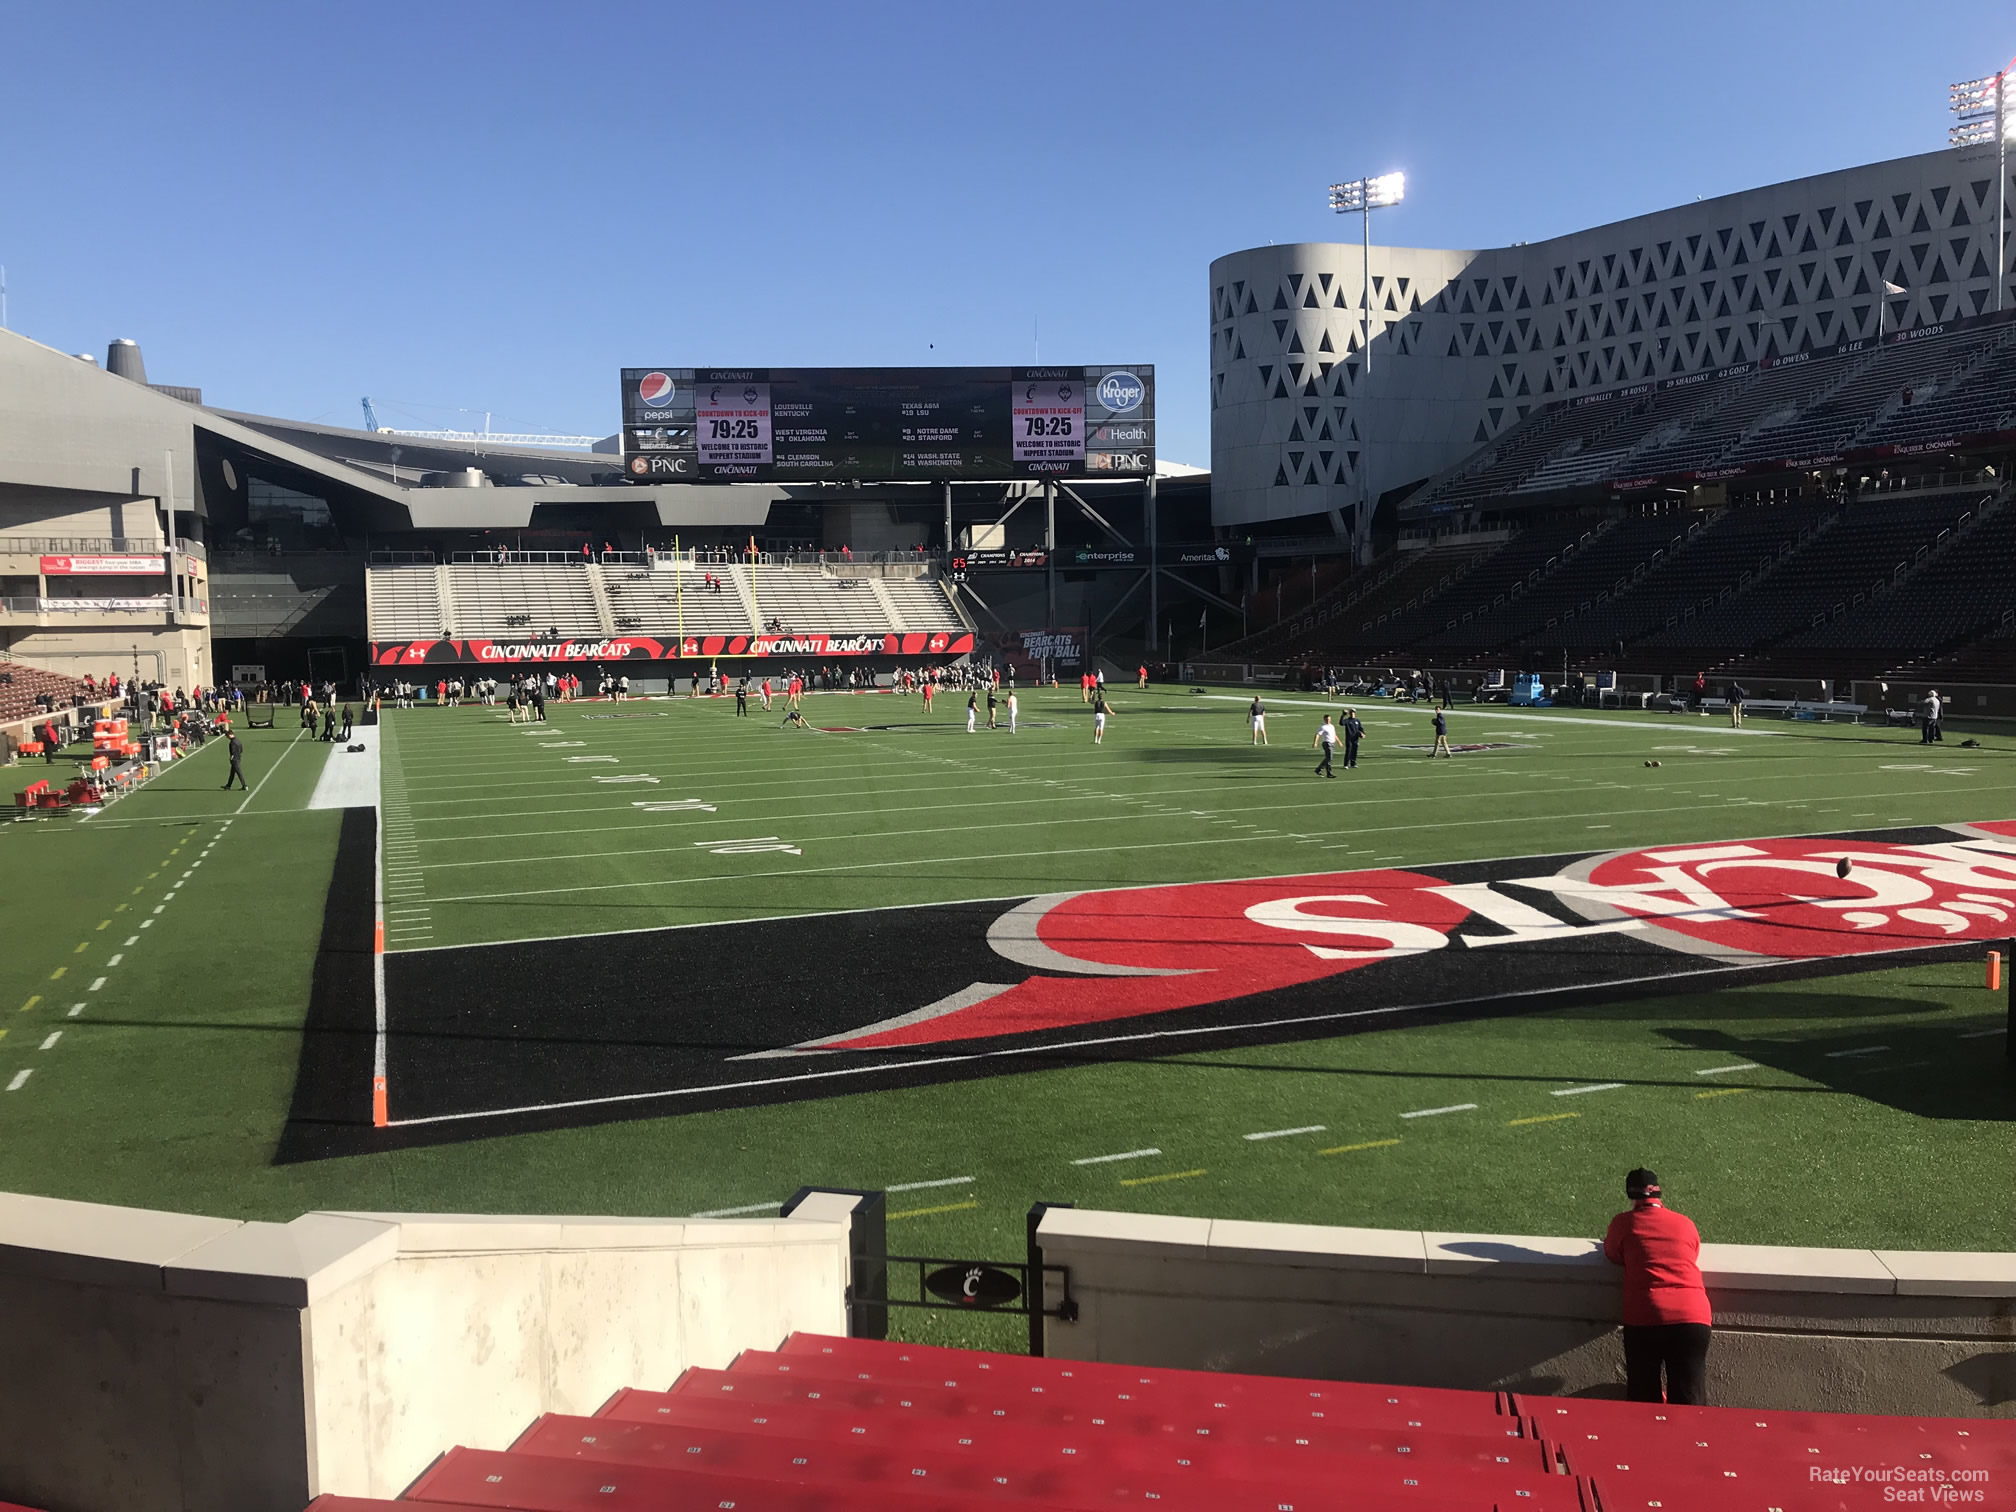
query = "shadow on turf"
{"x": 1925, "y": 1070}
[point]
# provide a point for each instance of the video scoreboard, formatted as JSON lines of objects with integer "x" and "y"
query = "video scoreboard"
{"x": 805, "y": 425}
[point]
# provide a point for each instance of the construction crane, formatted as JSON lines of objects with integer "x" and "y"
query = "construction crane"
{"x": 500, "y": 438}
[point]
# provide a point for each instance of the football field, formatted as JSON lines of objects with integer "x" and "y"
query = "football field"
{"x": 652, "y": 957}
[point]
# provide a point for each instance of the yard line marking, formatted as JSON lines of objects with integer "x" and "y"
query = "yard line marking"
{"x": 32, "y": 1001}
{"x": 135, "y": 940}
{"x": 1370, "y": 1144}
{"x": 737, "y": 1212}
{"x": 104, "y": 923}
{"x": 1594, "y": 1087}
{"x": 1432, "y": 1112}
{"x": 1124, "y": 1155}
{"x": 1284, "y": 1133}
{"x": 1984, "y": 1034}
{"x": 20, "y": 1080}
{"x": 1720, "y": 1092}
{"x": 1862, "y": 1050}
{"x": 1719, "y": 1070}
{"x": 160, "y": 908}
{"x": 100, "y": 982}
{"x": 75, "y": 1009}
{"x": 50, "y": 1042}
{"x": 919, "y": 1186}
{"x": 116, "y": 959}
{"x": 950, "y": 1207}
{"x": 1131, "y": 1181}
{"x": 1540, "y": 1118}
{"x": 148, "y": 923}
{"x": 82, "y": 946}
{"x": 57, "y": 974}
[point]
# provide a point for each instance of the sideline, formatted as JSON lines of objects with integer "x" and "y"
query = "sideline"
{"x": 349, "y": 778}
{"x": 1472, "y": 711}
{"x": 269, "y": 773}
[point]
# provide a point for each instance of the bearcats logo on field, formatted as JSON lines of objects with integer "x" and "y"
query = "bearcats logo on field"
{"x": 1153, "y": 949}
{"x": 1787, "y": 898}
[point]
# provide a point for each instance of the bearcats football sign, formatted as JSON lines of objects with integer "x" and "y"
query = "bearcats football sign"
{"x": 676, "y": 1020}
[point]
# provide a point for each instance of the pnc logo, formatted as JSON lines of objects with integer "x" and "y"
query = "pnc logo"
{"x": 1121, "y": 392}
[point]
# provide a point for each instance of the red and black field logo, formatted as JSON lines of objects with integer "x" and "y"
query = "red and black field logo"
{"x": 494, "y": 1038}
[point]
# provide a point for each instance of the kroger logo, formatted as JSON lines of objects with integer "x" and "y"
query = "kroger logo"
{"x": 1121, "y": 392}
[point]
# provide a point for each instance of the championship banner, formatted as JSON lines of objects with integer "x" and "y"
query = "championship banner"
{"x": 85, "y": 566}
{"x": 997, "y": 987}
{"x": 645, "y": 648}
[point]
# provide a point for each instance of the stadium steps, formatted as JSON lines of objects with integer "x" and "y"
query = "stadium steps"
{"x": 738, "y": 577}
{"x": 444, "y": 600}
{"x": 854, "y": 1425}
{"x": 598, "y": 590}
{"x": 888, "y": 605}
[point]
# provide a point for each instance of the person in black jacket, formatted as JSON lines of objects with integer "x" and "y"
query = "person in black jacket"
{"x": 1354, "y": 731}
{"x": 236, "y": 751}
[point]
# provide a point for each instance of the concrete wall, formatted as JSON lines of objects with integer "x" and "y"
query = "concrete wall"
{"x": 1836, "y": 1330}
{"x": 158, "y": 1361}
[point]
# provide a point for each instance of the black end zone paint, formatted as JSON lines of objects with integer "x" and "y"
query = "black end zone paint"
{"x": 332, "y": 1084}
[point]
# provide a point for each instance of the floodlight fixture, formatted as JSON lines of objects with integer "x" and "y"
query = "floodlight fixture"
{"x": 1360, "y": 197}
{"x": 1986, "y": 120}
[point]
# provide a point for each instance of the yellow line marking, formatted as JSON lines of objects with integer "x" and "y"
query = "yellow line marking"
{"x": 1543, "y": 1118}
{"x": 104, "y": 923}
{"x": 57, "y": 974}
{"x": 84, "y": 945}
{"x": 119, "y": 910}
{"x": 950, "y": 1207}
{"x": 1166, "y": 1176}
{"x": 1720, "y": 1092}
{"x": 136, "y": 892}
{"x": 31, "y": 1002}
{"x": 1370, "y": 1144}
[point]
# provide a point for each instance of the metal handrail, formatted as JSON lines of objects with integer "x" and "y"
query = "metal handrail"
{"x": 83, "y": 545}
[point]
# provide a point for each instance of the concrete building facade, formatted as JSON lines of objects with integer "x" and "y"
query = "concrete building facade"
{"x": 1307, "y": 418}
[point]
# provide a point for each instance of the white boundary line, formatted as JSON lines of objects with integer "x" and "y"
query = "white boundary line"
{"x": 261, "y": 783}
{"x": 1123, "y": 1155}
{"x": 1064, "y": 1047}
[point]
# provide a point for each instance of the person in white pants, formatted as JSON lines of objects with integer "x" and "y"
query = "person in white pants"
{"x": 972, "y": 711}
{"x": 1014, "y": 711}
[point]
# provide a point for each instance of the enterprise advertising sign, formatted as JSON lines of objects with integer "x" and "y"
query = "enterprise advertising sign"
{"x": 808, "y": 425}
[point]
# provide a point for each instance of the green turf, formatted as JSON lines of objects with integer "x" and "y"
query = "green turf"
{"x": 169, "y": 1089}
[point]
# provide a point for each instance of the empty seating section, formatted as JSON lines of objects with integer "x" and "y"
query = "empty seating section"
{"x": 1517, "y": 453}
{"x": 1431, "y": 574}
{"x": 17, "y": 698}
{"x": 1595, "y": 567}
{"x": 1864, "y": 547}
{"x": 923, "y": 605}
{"x": 1500, "y": 577}
{"x": 836, "y": 1425}
{"x": 1834, "y": 419}
{"x": 1965, "y": 590}
{"x": 673, "y": 603}
{"x": 1648, "y": 415}
{"x": 811, "y": 601}
{"x": 1713, "y": 561}
{"x": 1981, "y": 401}
{"x": 403, "y": 603}
{"x": 522, "y": 599}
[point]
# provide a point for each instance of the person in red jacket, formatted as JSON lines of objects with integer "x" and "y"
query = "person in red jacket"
{"x": 1667, "y": 1319}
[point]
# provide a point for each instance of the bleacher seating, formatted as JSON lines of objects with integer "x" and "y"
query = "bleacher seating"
{"x": 503, "y": 602}
{"x": 1865, "y": 546}
{"x": 671, "y": 602}
{"x": 1524, "y": 561}
{"x": 835, "y": 1425}
{"x": 517, "y": 600}
{"x": 1966, "y": 589}
{"x": 1595, "y": 567}
{"x": 17, "y": 698}
{"x": 922, "y": 604}
{"x": 403, "y": 603}
{"x": 1958, "y": 381}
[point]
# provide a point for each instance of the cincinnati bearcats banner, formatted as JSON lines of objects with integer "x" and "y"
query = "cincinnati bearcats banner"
{"x": 559, "y": 1032}
{"x": 633, "y": 648}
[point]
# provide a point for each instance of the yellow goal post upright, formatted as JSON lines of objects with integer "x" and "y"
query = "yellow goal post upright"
{"x": 755, "y": 604}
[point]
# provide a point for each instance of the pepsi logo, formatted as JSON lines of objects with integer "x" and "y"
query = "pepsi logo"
{"x": 654, "y": 390}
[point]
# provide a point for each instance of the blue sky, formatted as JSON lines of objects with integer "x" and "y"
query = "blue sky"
{"x": 454, "y": 207}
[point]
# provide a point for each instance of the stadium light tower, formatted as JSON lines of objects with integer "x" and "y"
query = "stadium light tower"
{"x": 1985, "y": 116}
{"x": 1361, "y": 197}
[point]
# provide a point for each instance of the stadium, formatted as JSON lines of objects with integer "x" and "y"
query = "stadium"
{"x": 889, "y": 890}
